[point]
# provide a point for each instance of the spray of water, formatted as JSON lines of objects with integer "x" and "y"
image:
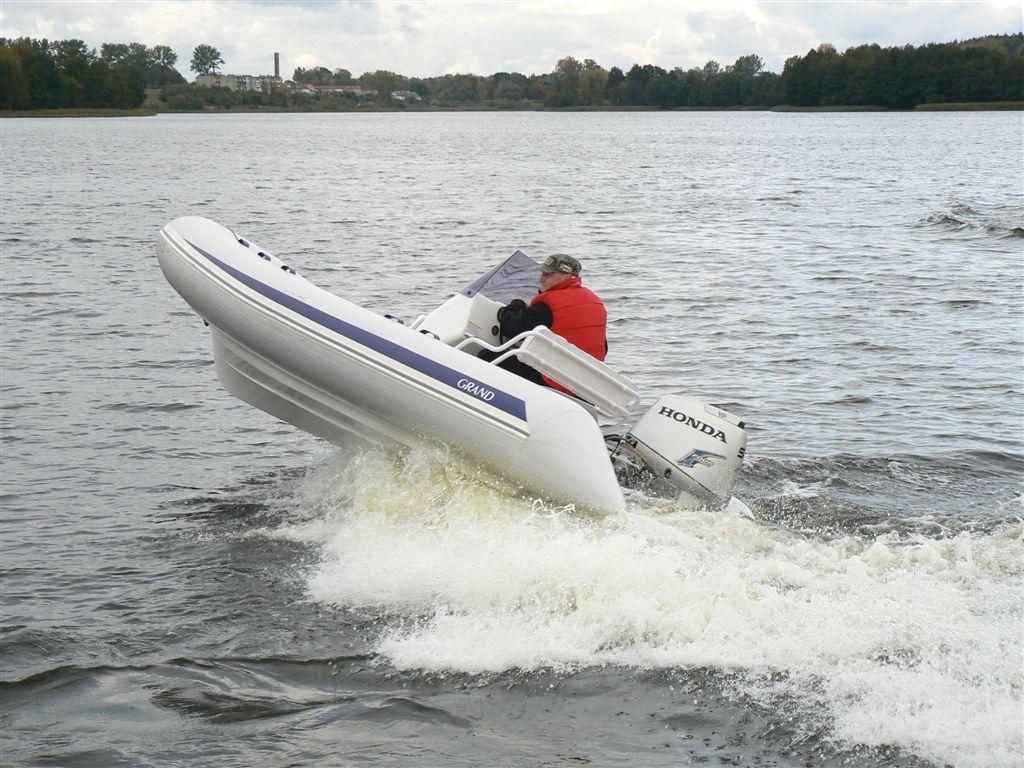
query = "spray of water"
{"x": 909, "y": 641}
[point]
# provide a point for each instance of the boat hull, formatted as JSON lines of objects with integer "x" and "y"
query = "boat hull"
{"x": 333, "y": 368}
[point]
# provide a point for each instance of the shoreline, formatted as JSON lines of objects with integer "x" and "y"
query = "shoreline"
{"x": 88, "y": 112}
{"x": 993, "y": 106}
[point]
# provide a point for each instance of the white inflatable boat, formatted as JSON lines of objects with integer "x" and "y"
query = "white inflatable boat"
{"x": 333, "y": 368}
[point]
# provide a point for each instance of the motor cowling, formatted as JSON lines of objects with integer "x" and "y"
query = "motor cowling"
{"x": 686, "y": 448}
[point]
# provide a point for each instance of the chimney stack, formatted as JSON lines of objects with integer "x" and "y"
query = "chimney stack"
{"x": 277, "y": 65}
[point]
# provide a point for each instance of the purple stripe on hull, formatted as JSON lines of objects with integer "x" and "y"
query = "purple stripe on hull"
{"x": 442, "y": 373}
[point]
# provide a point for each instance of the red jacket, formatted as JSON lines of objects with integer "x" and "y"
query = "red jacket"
{"x": 578, "y": 316}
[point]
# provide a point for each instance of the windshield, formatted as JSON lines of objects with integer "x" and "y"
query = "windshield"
{"x": 515, "y": 278}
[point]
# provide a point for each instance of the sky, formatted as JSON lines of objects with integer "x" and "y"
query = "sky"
{"x": 433, "y": 37}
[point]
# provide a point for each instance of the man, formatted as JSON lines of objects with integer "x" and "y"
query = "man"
{"x": 573, "y": 312}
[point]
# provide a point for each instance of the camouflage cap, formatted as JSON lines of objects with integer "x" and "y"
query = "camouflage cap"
{"x": 562, "y": 262}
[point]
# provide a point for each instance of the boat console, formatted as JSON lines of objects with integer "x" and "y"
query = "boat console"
{"x": 462, "y": 317}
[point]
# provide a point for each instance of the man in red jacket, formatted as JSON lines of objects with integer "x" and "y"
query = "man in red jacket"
{"x": 573, "y": 312}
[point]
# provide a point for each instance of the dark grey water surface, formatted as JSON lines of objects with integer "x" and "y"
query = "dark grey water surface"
{"x": 188, "y": 582}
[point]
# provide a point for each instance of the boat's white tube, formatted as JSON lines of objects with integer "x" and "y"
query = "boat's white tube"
{"x": 330, "y": 366}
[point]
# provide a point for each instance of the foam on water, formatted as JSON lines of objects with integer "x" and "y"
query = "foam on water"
{"x": 912, "y": 641}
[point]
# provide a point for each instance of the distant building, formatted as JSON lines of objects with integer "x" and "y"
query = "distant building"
{"x": 343, "y": 90}
{"x": 405, "y": 96}
{"x": 238, "y": 82}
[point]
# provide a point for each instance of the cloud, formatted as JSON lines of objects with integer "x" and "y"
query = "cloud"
{"x": 433, "y": 37}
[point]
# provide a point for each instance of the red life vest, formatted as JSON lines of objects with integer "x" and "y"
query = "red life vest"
{"x": 578, "y": 316}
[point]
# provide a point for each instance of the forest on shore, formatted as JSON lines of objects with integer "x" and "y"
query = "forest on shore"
{"x": 67, "y": 74}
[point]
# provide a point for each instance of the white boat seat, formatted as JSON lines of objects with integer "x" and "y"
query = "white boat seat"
{"x": 587, "y": 377}
{"x": 574, "y": 369}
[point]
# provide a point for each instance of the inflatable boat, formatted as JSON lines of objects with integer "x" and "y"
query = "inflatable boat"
{"x": 333, "y": 368}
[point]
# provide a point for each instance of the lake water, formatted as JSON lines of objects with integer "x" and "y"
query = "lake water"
{"x": 188, "y": 582}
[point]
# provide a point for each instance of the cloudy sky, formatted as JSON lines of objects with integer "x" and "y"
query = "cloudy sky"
{"x": 431, "y": 37}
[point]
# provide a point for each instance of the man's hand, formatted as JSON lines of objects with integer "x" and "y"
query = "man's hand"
{"x": 515, "y": 304}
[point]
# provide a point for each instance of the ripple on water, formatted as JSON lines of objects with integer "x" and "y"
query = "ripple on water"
{"x": 859, "y": 606}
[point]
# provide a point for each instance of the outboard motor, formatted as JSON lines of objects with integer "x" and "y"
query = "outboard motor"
{"x": 682, "y": 447}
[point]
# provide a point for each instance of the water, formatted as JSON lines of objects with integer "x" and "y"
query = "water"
{"x": 187, "y": 581}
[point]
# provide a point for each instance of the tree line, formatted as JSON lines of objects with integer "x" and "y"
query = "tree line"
{"x": 981, "y": 70}
{"x": 38, "y": 74}
{"x": 977, "y": 70}
{"x": 575, "y": 83}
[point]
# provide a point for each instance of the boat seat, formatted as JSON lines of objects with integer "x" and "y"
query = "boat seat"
{"x": 587, "y": 377}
